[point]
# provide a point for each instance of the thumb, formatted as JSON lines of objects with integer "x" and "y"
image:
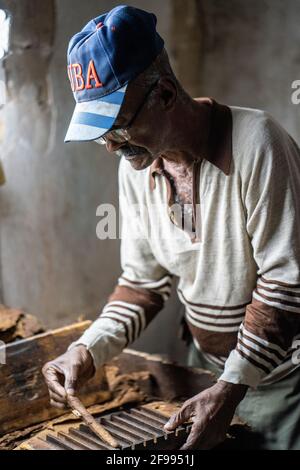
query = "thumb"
{"x": 71, "y": 378}
{"x": 177, "y": 418}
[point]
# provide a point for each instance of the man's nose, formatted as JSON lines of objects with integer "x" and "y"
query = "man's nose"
{"x": 113, "y": 146}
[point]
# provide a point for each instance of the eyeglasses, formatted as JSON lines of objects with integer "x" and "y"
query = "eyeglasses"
{"x": 121, "y": 134}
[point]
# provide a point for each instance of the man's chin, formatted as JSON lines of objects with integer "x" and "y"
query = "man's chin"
{"x": 140, "y": 162}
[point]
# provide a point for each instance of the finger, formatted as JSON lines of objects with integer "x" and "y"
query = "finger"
{"x": 58, "y": 405}
{"x": 71, "y": 379}
{"x": 52, "y": 377}
{"x": 178, "y": 418}
{"x": 54, "y": 396}
{"x": 194, "y": 437}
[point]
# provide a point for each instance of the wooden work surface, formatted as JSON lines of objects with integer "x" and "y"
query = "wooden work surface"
{"x": 132, "y": 377}
{"x": 24, "y": 398}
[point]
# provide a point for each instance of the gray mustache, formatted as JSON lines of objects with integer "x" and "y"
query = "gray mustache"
{"x": 130, "y": 150}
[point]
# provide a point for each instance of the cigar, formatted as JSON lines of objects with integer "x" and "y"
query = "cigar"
{"x": 79, "y": 410}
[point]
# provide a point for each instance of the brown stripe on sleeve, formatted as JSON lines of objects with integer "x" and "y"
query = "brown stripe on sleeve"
{"x": 212, "y": 342}
{"x": 137, "y": 329}
{"x": 272, "y": 324}
{"x": 260, "y": 345}
{"x": 279, "y": 283}
{"x": 150, "y": 301}
{"x": 253, "y": 361}
{"x": 256, "y": 353}
{"x": 280, "y": 291}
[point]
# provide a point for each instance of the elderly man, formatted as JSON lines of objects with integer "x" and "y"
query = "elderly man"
{"x": 234, "y": 245}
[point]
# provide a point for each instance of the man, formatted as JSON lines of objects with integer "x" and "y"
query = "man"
{"x": 235, "y": 175}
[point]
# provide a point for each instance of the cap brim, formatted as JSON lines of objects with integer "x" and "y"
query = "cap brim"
{"x": 92, "y": 119}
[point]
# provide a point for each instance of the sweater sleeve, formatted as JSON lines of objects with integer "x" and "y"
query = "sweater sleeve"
{"x": 272, "y": 206}
{"x": 142, "y": 288}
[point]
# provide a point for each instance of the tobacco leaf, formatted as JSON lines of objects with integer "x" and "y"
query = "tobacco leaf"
{"x": 16, "y": 324}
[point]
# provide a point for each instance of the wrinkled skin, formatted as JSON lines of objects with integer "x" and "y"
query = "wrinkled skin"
{"x": 67, "y": 373}
{"x": 178, "y": 131}
{"x": 211, "y": 412}
{"x": 155, "y": 131}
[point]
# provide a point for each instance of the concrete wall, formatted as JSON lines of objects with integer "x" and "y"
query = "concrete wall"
{"x": 242, "y": 53}
{"x": 251, "y": 55}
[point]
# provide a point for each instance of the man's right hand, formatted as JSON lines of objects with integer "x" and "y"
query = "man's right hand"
{"x": 67, "y": 373}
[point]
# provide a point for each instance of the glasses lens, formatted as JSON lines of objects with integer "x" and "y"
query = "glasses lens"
{"x": 117, "y": 135}
{"x": 100, "y": 141}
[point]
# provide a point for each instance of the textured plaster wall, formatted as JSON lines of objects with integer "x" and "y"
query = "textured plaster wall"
{"x": 52, "y": 264}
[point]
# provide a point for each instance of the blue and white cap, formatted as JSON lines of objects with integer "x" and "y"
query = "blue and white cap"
{"x": 109, "y": 52}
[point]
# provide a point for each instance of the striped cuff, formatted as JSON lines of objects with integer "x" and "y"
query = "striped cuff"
{"x": 253, "y": 359}
{"x": 119, "y": 324}
{"x": 239, "y": 371}
{"x": 278, "y": 294}
{"x": 131, "y": 317}
{"x": 129, "y": 310}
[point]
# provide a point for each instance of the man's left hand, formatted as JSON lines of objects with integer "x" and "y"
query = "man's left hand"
{"x": 211, "y": 411}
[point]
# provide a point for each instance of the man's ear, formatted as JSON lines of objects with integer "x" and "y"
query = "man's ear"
{"x": 167, "y": 91}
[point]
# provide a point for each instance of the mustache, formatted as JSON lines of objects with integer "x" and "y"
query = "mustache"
{"x": 130, "y": 150}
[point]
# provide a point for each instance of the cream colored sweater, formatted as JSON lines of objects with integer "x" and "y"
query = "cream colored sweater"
{"x": 239, "y": 276}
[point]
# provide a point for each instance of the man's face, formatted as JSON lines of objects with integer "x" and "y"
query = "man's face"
{"x": 143, "y": 145}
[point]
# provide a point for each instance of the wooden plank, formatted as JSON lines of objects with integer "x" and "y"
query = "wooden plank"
{"x": 170, "y": 381}
{"x": 24, "y": 398}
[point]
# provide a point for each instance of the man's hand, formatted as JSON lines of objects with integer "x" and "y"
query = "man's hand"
{"x": 66, "y": 373}
{"x": 211, "y": 411}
